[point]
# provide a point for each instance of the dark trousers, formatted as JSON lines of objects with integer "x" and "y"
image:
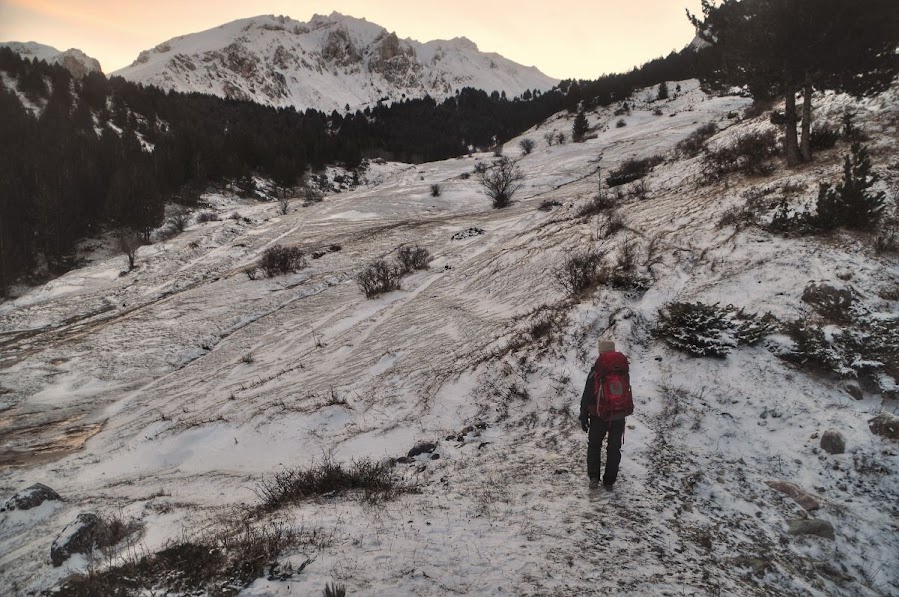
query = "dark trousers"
{"x": 598, "y": 430}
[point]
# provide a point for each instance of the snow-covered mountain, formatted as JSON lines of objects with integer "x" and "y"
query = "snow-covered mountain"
{"x": 74, "y": 60}
{"x": 327, "y": 63}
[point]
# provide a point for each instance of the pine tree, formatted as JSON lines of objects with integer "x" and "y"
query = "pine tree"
{"x": 781, "y": 47}
{"x": 663, "y": 91}
{"x": 580, "y": 127}
{"x": 850, "y": 204}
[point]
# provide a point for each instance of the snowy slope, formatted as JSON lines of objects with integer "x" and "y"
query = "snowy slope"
{"x": 193, "y": 382}
{"x": 326, "y": 64}
{"x": 77, "y": 62}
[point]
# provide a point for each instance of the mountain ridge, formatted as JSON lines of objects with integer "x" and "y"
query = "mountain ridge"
{"x": 74, "y": 60}
{"x": 327, "y": 63}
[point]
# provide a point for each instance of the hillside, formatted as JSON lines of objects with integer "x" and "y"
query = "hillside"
{"x": 167, "y": 395}
{"x": 326, "y": 64}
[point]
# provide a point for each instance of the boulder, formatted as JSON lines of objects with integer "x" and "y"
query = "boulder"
{"x": 31, "y": 497}
{"x": 422, "y": 448}
{"x": 853, "y": 389}
{"x": 796, "y": 493}
{"x": 885, "y": 425}
{"x": 811, "y": 526}
{"x": 82, "y": 535}
{"x": 833, "y": 442}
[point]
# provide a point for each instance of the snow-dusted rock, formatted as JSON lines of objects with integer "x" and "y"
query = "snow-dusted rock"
{"x": 81, "y": 535}
{"x": 422, "y": 448}
{"x": 885, "y": 425}
{"x": 854, "y": 390}
{"x": 73, "y": 60}
{"x": 833, "y": 442}
{"x": 797, "y": 493}
{"x": 29, "y": 498}
{"x": 811, "y": 526}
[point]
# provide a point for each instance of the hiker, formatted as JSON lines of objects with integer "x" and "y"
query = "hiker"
{"x": 605, "y": 403}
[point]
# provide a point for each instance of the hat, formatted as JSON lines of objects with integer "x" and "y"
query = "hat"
{"x": 605, "y": 345}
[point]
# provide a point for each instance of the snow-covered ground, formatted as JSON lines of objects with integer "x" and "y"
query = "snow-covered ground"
{"x": 167, "y": 394}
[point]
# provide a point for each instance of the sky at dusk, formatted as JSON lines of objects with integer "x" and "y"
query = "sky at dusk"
{"x": 577, "y": 39}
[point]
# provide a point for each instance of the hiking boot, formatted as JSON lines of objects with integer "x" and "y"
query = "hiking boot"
{"x": 594, "y": 483}
{"x": 607, "y": 483}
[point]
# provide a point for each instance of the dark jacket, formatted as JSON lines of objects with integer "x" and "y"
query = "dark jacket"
{"x": 588, "y": 398}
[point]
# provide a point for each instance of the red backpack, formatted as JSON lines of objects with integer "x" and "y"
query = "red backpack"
{"x": 612, "y": 386}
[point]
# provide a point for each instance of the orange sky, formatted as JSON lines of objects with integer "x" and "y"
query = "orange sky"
{"x": 579, "y": 39}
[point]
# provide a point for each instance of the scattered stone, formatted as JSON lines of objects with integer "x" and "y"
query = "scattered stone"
{"x": 885, "y": 425}
{"x": 853, "y": 389}
{"x": 833, "y": 442}
{"x": 435, "y": 456}
{"x": 483, "y": 445}
{"x": 811, "y": 526}
{"x": 405, "y": 460}
{"x": 86, "y": 532}
{"x": 31, "y": 497}
{"x": 561, "y": 471}
{"x": 462, "y": 235}
{"x": 422, "y": 448}
{"x": 796, "y": 493}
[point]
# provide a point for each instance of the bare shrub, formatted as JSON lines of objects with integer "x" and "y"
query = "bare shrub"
{"x": 207, "y": 216}
{"x": 218, "y": 563}
{"x": 501, "y": 181}
{"x": 633, "y": 169}
{"x": 621, "y": 123}
{"x": 377, "y": 278}
{"x": 412, "y": 258}
{"x": 179, "y": 218}
{"x": 278, "y": 260}
{"x": 750, "y": 154}
{"x": 435, "y": 190}
{"x": 612, "y": 224}
{"x": 692, "y": 145}
{"x": 548, "y": 205}
{"x": 824, "y": 137}
{"x": 291, "y": 486}
{"x": 579, "y": 272}
{"x": 527, "y": 145}
{"x": 561, "y": 138}
{"x": 550, "y": 138}
{"x": 335, "y": 590}
{"x": 597, "y": 205}
{"x": 283, "y": 206}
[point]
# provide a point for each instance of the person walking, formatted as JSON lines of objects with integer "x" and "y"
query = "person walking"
{"x": 605, "y": 403}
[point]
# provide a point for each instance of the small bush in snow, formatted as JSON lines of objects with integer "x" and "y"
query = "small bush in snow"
{"x": 548, "y": 205}
{"x": 633, "y": 169}
{"x": 435, "y": 190}
{"x": 207, "y": 216}
{"x": 707, "y": 330}
{"x": 695, "y": 143}
{"x": 527, "y": 145}
{"x": 749, "y": 154}
{"x": 291, "y": 486}
{"x": 377, "y": 278}
{"x": 278, "y": 260}
{"x": 561, "y": 138}
{"x": 597, "y": 205}
{"x": 823, "y": 137}
{"x": 579, "y": 272}
{"x": 887, "y": 240}
{"x": 412, "y": 258}
{"x": 835, "y": 305}
{"x": 621, "y": 123}
{"x": 550, "y": 138}
{"x": 283, "y": 206}
{"x": 335, "y": 590}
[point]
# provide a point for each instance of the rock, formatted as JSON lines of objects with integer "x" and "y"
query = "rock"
{"x": 833, "y": 442}
{"x": 811, "y": 526}
{"x": 31, "y": 497}
{"x": 794, "y": 491}
{"x": 757, "y": 565}
{"x": 82, "y": 535}
{"x": 435, "y": 456}
{"x": 854, "y": 390}
{"x": 885, "y": 425}
{"x": 422, "y": 448}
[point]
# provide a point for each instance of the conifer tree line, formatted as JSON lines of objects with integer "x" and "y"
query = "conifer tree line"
{"x": 106, "y": 153}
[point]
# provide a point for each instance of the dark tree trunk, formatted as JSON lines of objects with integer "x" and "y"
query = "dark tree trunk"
{"x": 791, "y": 142}
{"x": 806, "y": 147}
